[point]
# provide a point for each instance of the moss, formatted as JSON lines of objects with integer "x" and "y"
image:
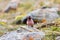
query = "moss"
{"x": 3, "y": 23}
{"x": 58, "y": 12}
{"x": 19, "y": 17}
{"x": 53, "y": 28}
{"x": 41, "y": 3}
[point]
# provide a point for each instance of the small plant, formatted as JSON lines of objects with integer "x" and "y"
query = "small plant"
{"x": 19, "y": 17}
{"x": 58, "y": 12}
{"x": 2, "y": 23}
{"x": 53, "y": 28}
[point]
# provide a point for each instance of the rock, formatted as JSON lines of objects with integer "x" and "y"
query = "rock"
{"x": 58, "y": 38}
{"x": 22, "y": 33}
{"x": 13, "y": 4}
{"x": 34, "y": 35}
{"x": 3, "y": 20}
{"x": 49, "y": 14}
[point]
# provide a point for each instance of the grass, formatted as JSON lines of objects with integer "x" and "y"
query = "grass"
{"x": 51, "y": 33}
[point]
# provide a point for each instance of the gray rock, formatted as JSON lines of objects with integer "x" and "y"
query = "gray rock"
{"x": 13, "y": 4}
{"x": 58, "y": 38}
{"x": 49, "y": 14}
{"x": 14, "y": 35}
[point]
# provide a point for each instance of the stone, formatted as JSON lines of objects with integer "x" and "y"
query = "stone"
{"x": 22, "y": 33}
{"x": 49, "y": 14}
{"x": 58, "y": 38}
{"x": 13, "y": 4}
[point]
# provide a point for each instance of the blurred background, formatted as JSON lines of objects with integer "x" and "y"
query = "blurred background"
{"x": 12, "y": 12}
